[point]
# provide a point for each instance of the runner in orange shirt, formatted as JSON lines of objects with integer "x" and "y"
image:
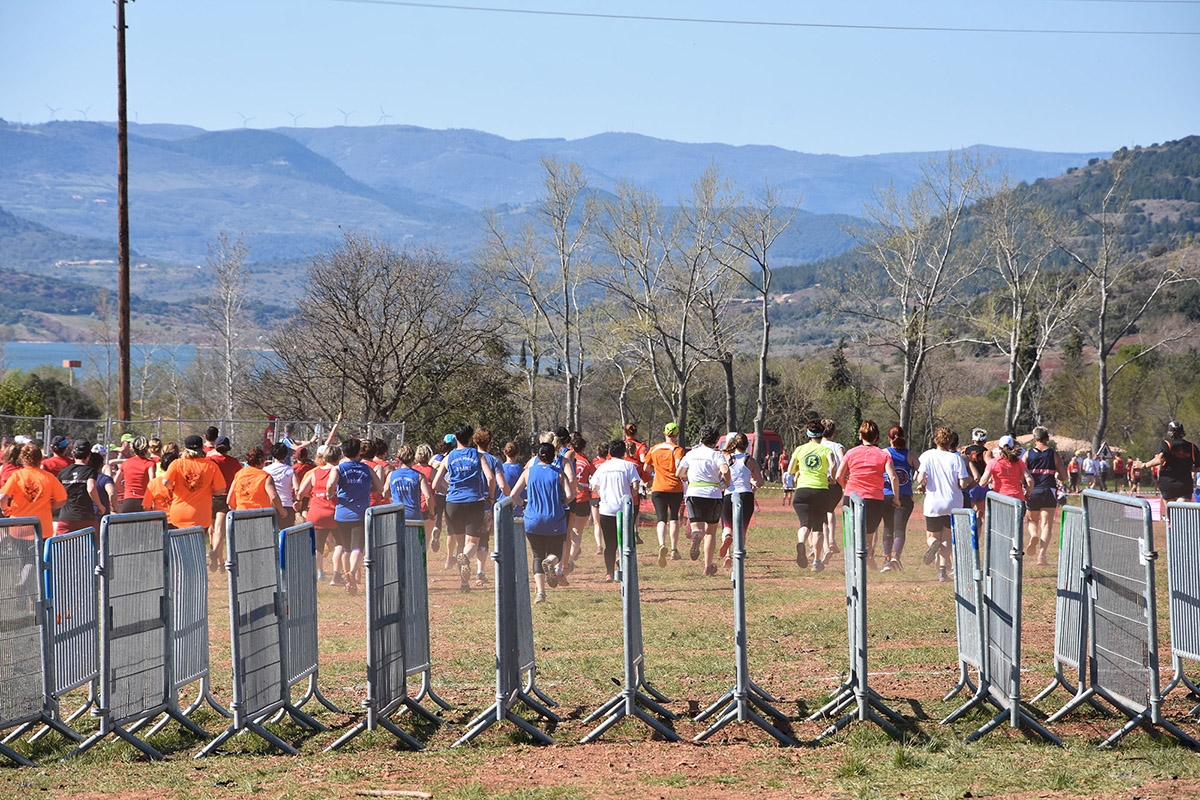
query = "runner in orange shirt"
{"x": 667, "y": 490}
{"x": 32, "y": 492}
{"x": 253, "y": 486}
{"x": 192, "y": 479}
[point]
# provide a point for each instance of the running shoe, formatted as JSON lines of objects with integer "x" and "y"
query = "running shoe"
{"x": 942, "y": 576}
{"x": 801, "y": 555}
{"x": 818, "y": 566}
{"x": 833, "y": 548}
{"x": 608, "y": 578}
{"x": 637, "y": 537}
{"x": 480, "y": 578}
{"x": 540, "y": 597}
{"x": 710, "y": 570}
{"x": 675, "y": 556}
{"x": 436, "y": 544}
{"x": 932, "y": 552}
{"x": 548, "y": 566}
{"x": 896, "y": 565}
{"x": 562, "y": 579}
{"x": 351, "y": 586}
{"x": 337, "y": 580}
{"x": 726, "y": 543}
{"x": 662, "y": 556}
{"x": 694, "y": 553}
{"x": 727, "y": 562}
{"x": 464, "y": 570}
{"x": 569, "y": 568}
{"x": 887, "y": 566}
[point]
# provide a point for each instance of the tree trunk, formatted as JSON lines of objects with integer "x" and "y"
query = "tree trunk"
{"x": 730, "y": 393}
{"x": 760, "y": 411}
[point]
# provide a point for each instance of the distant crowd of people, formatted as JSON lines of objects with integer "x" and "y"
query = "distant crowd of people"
{"x": 560, "y": 489}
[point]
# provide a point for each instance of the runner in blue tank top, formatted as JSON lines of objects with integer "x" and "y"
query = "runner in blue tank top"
{"x": 895, "y": 524}
{"x": 465, "y": 492}
{"x": 548, "y": 494}
{"x": 407, "y": 486}
{"x": 350, "y": 485}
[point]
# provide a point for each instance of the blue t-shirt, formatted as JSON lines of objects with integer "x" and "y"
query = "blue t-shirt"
{"x": 464, "y": 476}
{"x": 903, "y": 473}
{"x": 496, "y": 466}
{"x": 545, "y": 511}
{"x": 405, "y": 486}
{"x": 512, "y": 474}
{"x": 353, "y": 491}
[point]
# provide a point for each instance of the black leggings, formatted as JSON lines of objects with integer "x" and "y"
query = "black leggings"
{"x": 608, "y": 527}
{"x": 543, "y": 547}
{"x": 895, "y": 525}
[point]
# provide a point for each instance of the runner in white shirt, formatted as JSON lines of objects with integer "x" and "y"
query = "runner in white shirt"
{"x": 707, "y": 474}
{"x": 613, "y": 481}
{"x": 942, "y": 474}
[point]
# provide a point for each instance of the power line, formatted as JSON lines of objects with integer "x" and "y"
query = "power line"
{"x": 771, "y": 23}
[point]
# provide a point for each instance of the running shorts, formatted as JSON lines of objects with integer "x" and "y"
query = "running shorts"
{"x": 666, "y": 505}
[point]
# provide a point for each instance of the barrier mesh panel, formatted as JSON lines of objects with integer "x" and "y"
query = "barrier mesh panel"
{"x": 385, "y": 545}
{"x": 966, "y": 588}
{"x": 135, "y": 575}
{"x": 189, "y": 613}
{"x": 300, "y": 602}
{"x": 522, "y": 603}
{"x": 1069, "y": 624}
{"x": 1118, "y": 530}
{"x": 258, "y": 671}
{"x": 1183, "y": 577}
{"x": 21, "y": 689}
{"x": 416, "y": 600}
{"x": 71, "y": 577}
{"x": 1003, "y": 521}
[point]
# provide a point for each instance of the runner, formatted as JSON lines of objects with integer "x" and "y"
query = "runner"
{"x": 789, "y": 486}
{"x": 1047, "y": 469}
{"x": 809, "y": 469}
{"x": 105, "y": 485}
{"x": 1073, "y": 467}
{"x": 547, "y": 502}
{"x": 1178, "y": 461}
{"x": 707, "y": 473}
{"x": 59, "y": 447}
{"x": 863, "y": 472}
{"x": 454, "y": 544}
{"x": 635, "y": 451}
{"x": 581, "y": 508}
{"x": 943, "y": 475}
{"x": 612, "y": 482}
{"x": 409, "y": 487}
{"x": 469, "y": 481}
{"x": 133, "y": 476}
{"x": 30, "y": 491}
{"x": 79, "y": 479}
{"x": 301, "y": 466}
{"x": 253, "y": 487}
{"x": 321, "y": 509}
{"x": 193, "y": 480}
{"x": 351, "y": 485}
{"x": 836, "y": 453}
{"x": 158, "y": 497}
{"x": 977, "y": 456}
{"x": 601, "y": 457}
{"x": 745, "y": 476}
{"x": 1006, "y": 473}
{"x": 432, "y": 534}
{"x": 512, "y": 468}
{"x": 498, "y": 488}
{"x": 284, "y": 478}
{"x": 895, "y": 524}
{"x": 229, "y": 466}
{"x": 666, "y": 492}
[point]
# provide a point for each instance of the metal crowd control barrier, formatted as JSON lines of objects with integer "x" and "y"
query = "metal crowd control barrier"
{"x": 1001, "y": 608}
{"x": 1070, "y": 619}
{"x": 385, "y": 560}
{"x": 1122, "y": 616}
{"x": 189, "y": 604}
{"x": 73, "y": 617}
{"x": 1183, "y": 594}
{"x": 135, "y": 628}
{"x": 968, "y": 591}
{"x": 513, "y": 618}
{"x": 25, "y": 662}
{"x": 298, "y": 571}
{"x": 417, "y": 659}
{"x": 636, "y": 689}
{"x": 738, "y": 703}
{"x": 256, "y": 630}
{"x": 856, "y": 691}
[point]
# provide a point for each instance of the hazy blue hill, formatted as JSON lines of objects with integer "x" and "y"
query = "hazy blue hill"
{"x": 26, "y": 245}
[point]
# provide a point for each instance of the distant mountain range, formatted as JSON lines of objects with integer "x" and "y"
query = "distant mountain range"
{"x": 290, "y": 190}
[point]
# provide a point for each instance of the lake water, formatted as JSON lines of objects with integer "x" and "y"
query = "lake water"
{"x": 95, "y": 357}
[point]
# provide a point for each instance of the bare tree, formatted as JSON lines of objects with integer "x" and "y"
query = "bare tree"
{"x": 222, "y": 312}
{"x": 382, "y": 331}
{"x": 1037, "y": 302}
{"x": 919, "y": 265}
{"x": 660, "y": 274}
{"x": 752, "y": 233}
{"x": 540, "y": 270}
{"x": 1122, "y": 287}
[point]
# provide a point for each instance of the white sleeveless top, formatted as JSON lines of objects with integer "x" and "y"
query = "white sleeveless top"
{"x": 739, "y": 475}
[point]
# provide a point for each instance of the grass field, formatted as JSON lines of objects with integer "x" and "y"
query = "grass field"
{"x": 798, "y": 652}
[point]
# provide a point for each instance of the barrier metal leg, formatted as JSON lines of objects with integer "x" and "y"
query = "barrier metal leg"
{"x": 964, "y": 682}
{"x": 427, "y": 691}
{"x": 978, "y": 699}
{"x": 15, "y": 756}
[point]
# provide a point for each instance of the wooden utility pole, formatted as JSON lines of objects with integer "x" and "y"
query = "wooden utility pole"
{"x": 123, "y": 381}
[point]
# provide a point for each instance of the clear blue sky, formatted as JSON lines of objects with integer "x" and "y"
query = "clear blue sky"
{"x": 814, "y": 89}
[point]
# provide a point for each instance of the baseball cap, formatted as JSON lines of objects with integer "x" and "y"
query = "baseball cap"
{"x": 82, "y": 448}
{"x": 671, "y": 429}
{"x": 99, "y": 448}
{"x": 59, "y": 442}
{"x": 194, "y": 442}
{"x": 979, "y": 435}
{"x": 126, "y": 437}
{"x": 1175, "y": 429}
{"x": 222, "y": 441}
{"x": 1007, "y": 441}
{"x": 449, "y": 438}
{"x": 22, "y": 440}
